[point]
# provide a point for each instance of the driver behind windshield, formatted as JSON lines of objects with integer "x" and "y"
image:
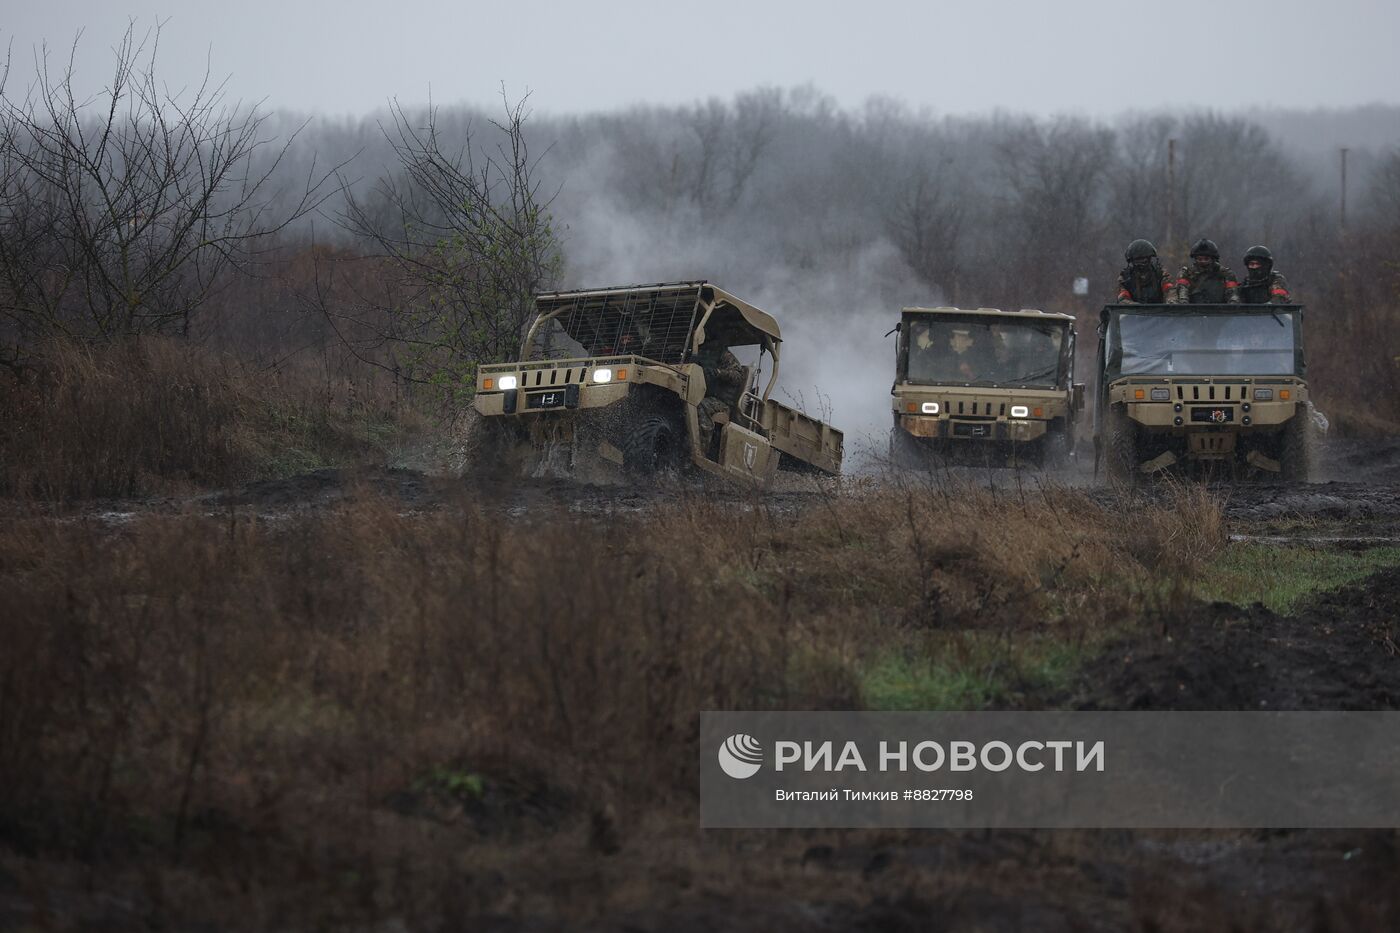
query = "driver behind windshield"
{"x": 956, "y": 353}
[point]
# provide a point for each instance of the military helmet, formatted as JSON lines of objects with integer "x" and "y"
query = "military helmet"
{"x": 1266, "y": 261}
{"x": 1140, "y": 249}
{"x": 1204, "y": 247}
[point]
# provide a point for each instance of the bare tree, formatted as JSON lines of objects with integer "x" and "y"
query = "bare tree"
{"x": 1052, "y": 205}
{"x": 466, "y": 239}
{"x": 1384, "y": 208}
{"x": 1235, "y": 182}
{"x": 122, "y": 212}
{"x": 925, "y": 223}
{"x": 1138, "y": 181}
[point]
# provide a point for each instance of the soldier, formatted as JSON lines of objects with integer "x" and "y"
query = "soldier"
{"x": 973, "y": 355}
{"x": 724, "y": 384}
{"x": 1262, "y": 285}
{"x": 1205, "y": 281}
{"x": 1143, "y": 280}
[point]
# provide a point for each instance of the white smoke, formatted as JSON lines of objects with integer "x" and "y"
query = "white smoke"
{"x": 836, "y": 362}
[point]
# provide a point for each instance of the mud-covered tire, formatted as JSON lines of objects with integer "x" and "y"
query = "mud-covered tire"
{"x": 655, "y": 446}
{"x": 1297, "y": 447}
{"x": 906, "y": 453}
{"x": 1056, "y": 448}
{"x": 491, "y": 449}
{"x": 1120, "y": 446}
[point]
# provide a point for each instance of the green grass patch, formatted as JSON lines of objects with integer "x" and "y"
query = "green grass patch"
{"x": 1281, "y": 577}
{"x": 287, "y": 439}
{"x": 973, "y": 675}
{"x": 898, "y": 682}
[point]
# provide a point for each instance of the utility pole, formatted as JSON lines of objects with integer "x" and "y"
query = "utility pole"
{"x": 1171, "y": 199}
{"x": 1345, "y": 150}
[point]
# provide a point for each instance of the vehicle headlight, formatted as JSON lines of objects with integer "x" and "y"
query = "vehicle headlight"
{"x": 1161, "y": 395}
{"x": 1263, "y": 395}
{"x": 602, "y": 375}
{"x": 507, "y": 383}
{"x": 929, "y": 408}
{"x": 1020, "y": 411}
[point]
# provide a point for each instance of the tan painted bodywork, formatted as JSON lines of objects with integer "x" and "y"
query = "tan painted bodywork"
{"x": 979, "y": 405}
{"x": 984, "y": 404}
{"x": 1209, "y": 440}
{"x": 749, "y": 451}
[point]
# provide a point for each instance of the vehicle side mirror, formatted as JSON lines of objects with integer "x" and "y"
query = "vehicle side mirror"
{"x": 1077, "y": 396}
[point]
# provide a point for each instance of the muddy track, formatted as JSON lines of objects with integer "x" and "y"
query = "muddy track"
{"x": 1364, "y": 505}
{"x": 1339, "y": 652}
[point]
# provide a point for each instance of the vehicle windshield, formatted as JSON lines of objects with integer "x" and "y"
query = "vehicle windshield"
{"x": 1210, "y": 344}
{"x": 984, "y": 349}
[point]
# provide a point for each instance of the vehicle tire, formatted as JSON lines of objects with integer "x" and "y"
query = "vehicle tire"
{"x": 1120, "y": 446}
{"x": 1056, "y": 447}
{"x": 491, "y": 449}
{"x": 655, "y": 446}
{"x": 906, "y": 453}
{"x": 1297, "y": 447}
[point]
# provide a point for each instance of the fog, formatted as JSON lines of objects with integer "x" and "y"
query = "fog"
{"x": 828, "y": 168}
{"x": 1094, "y": 57}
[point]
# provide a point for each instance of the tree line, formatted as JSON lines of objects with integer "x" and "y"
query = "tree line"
{"x": 417, "y": 235}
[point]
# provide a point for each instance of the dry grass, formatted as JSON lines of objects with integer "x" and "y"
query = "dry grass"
{"x": 156, "y": 415}
{"x": 361, "y": 699}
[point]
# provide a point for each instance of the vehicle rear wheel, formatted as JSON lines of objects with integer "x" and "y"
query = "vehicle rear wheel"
{"x": 655, "y": 446}
{"x": 1120, "y": 445}
{"x": 1297, "y": 447}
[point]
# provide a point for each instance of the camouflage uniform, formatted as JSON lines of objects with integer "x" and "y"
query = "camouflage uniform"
{"x": 724, "y": 384}
{"x": 1213, "y": 285}
{"x": 1264, "y": 285}
{"x": 1153, "y": 287}
{"x": 1273, "y": 289}
{"x": 1143, "y": 281}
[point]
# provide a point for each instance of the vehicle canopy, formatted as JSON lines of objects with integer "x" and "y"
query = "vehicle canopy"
{"x": 1201, "y": 340}
{"x": 986, "y": 347}
{"x": 657, "y": 322}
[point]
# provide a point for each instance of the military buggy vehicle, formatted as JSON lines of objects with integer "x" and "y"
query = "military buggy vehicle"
{"x": 1212, "y": 386}
{"x": 627, "y": 379}
{"x": 984, "y": 385}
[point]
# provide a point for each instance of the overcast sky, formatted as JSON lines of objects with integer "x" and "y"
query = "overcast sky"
{"x": 1081, "y": 56}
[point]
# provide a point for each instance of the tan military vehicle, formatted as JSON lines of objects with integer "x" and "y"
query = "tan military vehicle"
{"x": 1214, "y": 386}
{"x": 986, "y": 386}
{"x": 640, "y": 380}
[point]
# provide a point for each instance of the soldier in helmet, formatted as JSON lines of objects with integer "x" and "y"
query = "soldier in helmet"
{"x": 1204, "y": 281}
{"x": 724, "y": 383}
{"x": 1143, "y": 280}
{"x": 1262, "y": 285}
